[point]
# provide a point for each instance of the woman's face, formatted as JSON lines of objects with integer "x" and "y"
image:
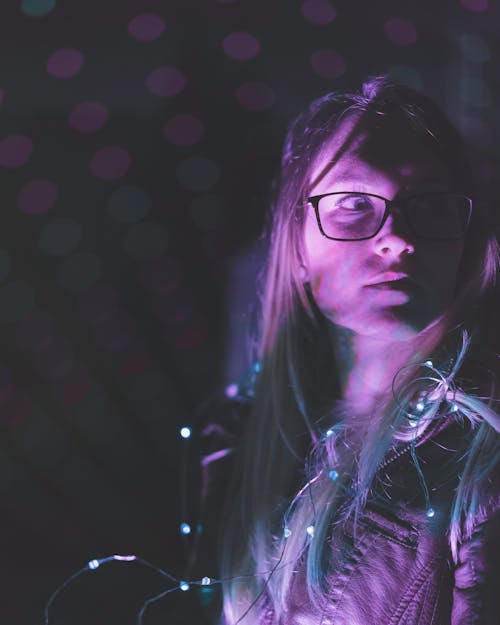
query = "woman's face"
{"x": 351, "y": 281}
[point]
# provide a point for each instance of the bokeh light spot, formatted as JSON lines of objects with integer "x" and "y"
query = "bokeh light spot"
{"x": 318, "y": 12}
{"x": 110, "y": 163}
{"x": 209, "y": 211}
{"x": 129, "y": 204}
{"x": 197, "y": 173}
{"x": 17, "y": 298}
{"x": 78, "y": 387}
{"x": 407, "y": 76}
{"x": 15, "y": 151}
{"x": 475, "y": 92}
{"x": 146, "y": 240}
{"x": 328, "y": 63}
{"x": 476, "y": 5}
{"x": 79, "y": 271}
{"x": 55, "y": 359}
{"x": 60, "y": 237}
{"x": 165, "y": 82}
{"x": 37, "y": 8}
{"x": 35, "y": 330}
{"x": 5, "y": 262}
{"x": 65, "y": 63}
{"x": 255, "y": 96}
{"x": 183, "y": 130}
{"x": 241, "y": 46}
{"x": 161, "y": 275}
{"x": 400, "y": 31}
{"x": 146, "y": 27}
{"x": 147, "y": 385}
{"x": 116, "y": 334}
{"x": 476, "y": 131}
{"x": 173, "y": 308}
{"x": 37, "y": 196}
{"x": 98, "y": 303}
{"x": 134, "y": 364}
{"x": 88, "y": 116}
{"x": 474, "y": 48}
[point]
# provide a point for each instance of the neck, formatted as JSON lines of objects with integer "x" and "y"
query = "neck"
{"x": 367, "y": 367}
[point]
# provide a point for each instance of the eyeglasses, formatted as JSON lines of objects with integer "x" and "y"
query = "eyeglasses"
{"x": 353, "y": 216}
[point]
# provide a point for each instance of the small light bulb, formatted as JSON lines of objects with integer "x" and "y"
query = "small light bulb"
{"x": 185, "y": 432}
{"x": 185, "y": 528}
{"x": 430, "y": 513}
{"x": 412, "y": 423}
{"x": 330, "y": 432}
{"x": 310, "y": 530}
{"x": 93, "y": 564}
{"x": 454, "y": 408}
{"x": 428, "y": 363}
{"x": 287, "y": 532}
{"x": 206, "y": 581}
{"x": 256, "y": 367}
{"x": 232, "y": 390}
{"x": 184, "y": 586}
{"x": 333, "y": 474}
{"x": 420, "y": 406}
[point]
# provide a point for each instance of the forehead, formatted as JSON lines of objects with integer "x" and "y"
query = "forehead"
{"x": 385, "y": 148}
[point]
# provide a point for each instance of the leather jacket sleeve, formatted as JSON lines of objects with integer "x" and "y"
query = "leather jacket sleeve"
{"x": 476, "y": 593}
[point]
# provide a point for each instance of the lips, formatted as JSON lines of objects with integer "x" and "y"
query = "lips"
{"x": 392, "y": 279}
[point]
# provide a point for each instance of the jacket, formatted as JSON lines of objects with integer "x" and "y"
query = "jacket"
{"x": 394, "y": 567}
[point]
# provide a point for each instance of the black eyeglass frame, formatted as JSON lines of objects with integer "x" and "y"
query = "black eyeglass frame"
{"x": 389, "y": 204}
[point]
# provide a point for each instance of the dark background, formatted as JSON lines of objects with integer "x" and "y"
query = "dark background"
{"x": 138, "y": 140}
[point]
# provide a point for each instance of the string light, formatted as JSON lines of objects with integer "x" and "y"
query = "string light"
{"x": 185, "y": 528}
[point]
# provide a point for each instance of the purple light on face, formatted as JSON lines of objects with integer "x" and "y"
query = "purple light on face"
{"x": 110, "y": 163}
{"x": 37, "y": 196}
{"x": 241, "y": 46}
{"x": 255, "y": 96}
{"x": 318, "y": 11}
{"x": 328, "y": 63}
{"x": 165, "y": 82}
{"x": 476, "y": 5}
{"x": 35, "y": 330}
{"x": 88, "y": 116}
{"x": 65, "y": 63}
{"x": 146, "y": 27}
{"x": 400, "y": 31}
{"x": 15, "y": 151}
{"x": 183, "y": 130}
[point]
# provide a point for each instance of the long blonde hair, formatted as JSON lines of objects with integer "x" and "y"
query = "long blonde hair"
{"x": 290, "y": 438}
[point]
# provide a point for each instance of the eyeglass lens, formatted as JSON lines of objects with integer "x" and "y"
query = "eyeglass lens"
{"x": 359, "y": 215}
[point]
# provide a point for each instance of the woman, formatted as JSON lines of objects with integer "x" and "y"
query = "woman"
{"x": 366, "y": 482}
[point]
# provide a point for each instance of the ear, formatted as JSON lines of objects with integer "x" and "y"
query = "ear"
{"x": 303, "y": 273}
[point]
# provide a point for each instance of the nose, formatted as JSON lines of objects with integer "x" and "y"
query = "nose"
{"x": 395, "y": 237}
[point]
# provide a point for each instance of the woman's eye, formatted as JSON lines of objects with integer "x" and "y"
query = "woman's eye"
{"x": 354, "y": 203}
